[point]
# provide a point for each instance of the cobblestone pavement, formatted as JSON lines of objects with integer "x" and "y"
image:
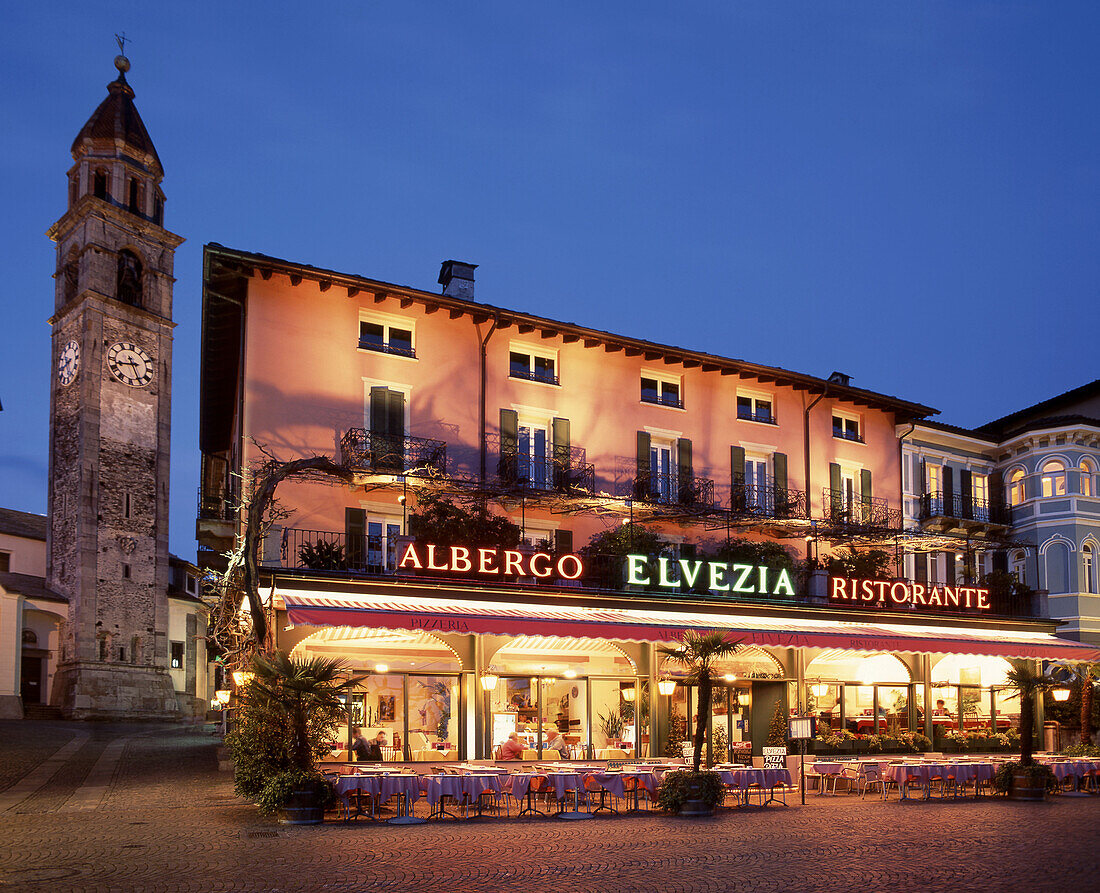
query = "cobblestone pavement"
{"x": 169, "y": 821}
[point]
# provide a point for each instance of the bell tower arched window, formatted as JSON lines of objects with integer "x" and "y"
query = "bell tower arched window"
{"x": 134, "y": 196}
{"x": 100, "y": 184}
{"x": 129, "y": 284}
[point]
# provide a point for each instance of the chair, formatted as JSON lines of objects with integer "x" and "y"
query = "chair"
{"x": 529, "y": 754}
{"x": 869, "y": 775}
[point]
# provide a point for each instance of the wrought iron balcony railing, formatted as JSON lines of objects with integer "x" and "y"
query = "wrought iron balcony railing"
{"x": 365, "y": 450}
{"x": 327, "y": 550}
{"x": 867, "y": 512}
{"x": 382, "y": 347}
{"x": 963, "y": 507}
{"x": 566, "y": 471}
{"x": 767, "y": 501}
{"x": 672, "y": 400}
{"x": 747, "y": 415}
{"x": 675, "y": 490}
{"x": 545, "y": 377}
{"x": 842, "y": 434}
{"x": 217, "y": 506}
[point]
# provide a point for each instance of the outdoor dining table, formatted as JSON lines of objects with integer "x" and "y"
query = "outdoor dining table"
{"x": 380, "y": 787}
{"x": 1075, "y": 769}
{"x": 766, "y": 779}
{"x": 964, "y": 772}
{"x": 460, "y": 788}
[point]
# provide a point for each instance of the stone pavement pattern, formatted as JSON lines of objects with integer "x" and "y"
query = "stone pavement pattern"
{"x": 170, "y": 822}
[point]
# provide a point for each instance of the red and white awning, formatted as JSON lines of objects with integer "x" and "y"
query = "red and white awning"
{"x": 319, "y": 608}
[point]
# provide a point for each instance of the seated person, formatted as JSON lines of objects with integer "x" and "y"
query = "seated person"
{"x": 554, "y": 741}
{"x": 360, "y": 747}
{"x": 941, "y": 709}
{"x": 513, "y": 748}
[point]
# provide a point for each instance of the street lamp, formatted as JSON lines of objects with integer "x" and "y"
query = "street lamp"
{"x": 1060, "y": 694}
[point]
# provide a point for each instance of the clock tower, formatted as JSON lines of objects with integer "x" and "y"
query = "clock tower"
{"x": 110, "y": 420}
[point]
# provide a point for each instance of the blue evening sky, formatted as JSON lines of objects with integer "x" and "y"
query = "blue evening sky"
{"x": 906, "y": 192}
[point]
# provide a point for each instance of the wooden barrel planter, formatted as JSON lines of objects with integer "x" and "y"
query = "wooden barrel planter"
{"x": 1025, "y": 786}
{"x": 302, "y": 808}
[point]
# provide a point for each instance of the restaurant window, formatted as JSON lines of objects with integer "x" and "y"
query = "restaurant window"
{"x": 858, "y": 692}
{"x": 533, "y": 364}
{"x": 1052, "y": 479}
{"x": 1016, "y": 492}
{"x": 755, "y": 407}
{"x": 177, "y": 655}
{"x": 1087, "y": 471}
{"x": 970, "y": 688}
{"x": 387, "y": 334}
{"x": 661, "y": 389}
{"x": 1019, "y": 566}
{"x": 847, "y": 427}
{"x": 434, "y": 720}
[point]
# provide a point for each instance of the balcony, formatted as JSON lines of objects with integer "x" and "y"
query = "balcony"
{"x": 765, "y": 417}
{"x": 846, "y": 434}
{"x": 566, "y": 471}
{"x": 767, "y": 501}
{"x": 674, "y": 490}
{"x": 961, "y": 510}
{"x": 327, "y": 550}
{"x": 868, "y": 513}
{"x": 215, "y": 524}
{"x": 666, "y": 399}
{"x": 543, "y": 376}
{"x": 370, "y": 451}
{"x": 397, "y": 349}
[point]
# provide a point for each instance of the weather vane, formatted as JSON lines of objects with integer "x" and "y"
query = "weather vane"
{"x": 120, "y": 39}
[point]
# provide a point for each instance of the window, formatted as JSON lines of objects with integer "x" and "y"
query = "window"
{"x": 128, "y": 283}
{"x": 759, "y": 490}
{"x": 1052, "y": 480}
{"x": 125, "y": 572}
{"x": 126, "y": 507}
{"x": 387, "y": 334}
{"x": 1019, "y": 567}
{"x": 533, "y": 454}
{"x": 371, "y": 540}
{"x": 99, "y": 184}
{"x": 1016, "y": 487}
{"x": 5, "y": 562}
{"x": 934, "y": 473}
{"x": 664, "y": 390}
{"x": 386, "y": 445}
{"x": 663, "y": 475}
{"x": 846, "y": 428}
{"x": 134, "y": 197}
{"x": 177, "y": 655}
{"x": 1087, "y": 471}
{"x": 158, "y": 210}
{"x": 532, "y": 364}
{"x": 1088, "y": 569}
{"x": 191, "y": 584}
{"x": 755, "y": 408}
{"x": 980, "y": 485}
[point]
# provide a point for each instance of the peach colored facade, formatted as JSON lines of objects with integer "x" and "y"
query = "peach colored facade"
{"x": 306, "y": 383}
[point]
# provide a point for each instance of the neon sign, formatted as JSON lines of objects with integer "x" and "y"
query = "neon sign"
{"x": 718, "y": 576}
{"x": 491, "y": 562}
{"x": 889, "y": 592}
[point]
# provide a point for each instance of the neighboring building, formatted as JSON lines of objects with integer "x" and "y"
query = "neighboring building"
{"x": 571, "y": 433}
{"x": 30, "y": 615}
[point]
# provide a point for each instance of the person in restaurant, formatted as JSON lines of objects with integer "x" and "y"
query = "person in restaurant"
{"x": 554, "y": 741}
{"x": 360, "y": 747}
{"x": 941, "y": 709}
{"x": 512, "y": 749}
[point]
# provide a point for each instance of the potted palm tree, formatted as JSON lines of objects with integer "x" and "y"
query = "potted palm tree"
{"x": 697, "y": 654}
{"x": 289, "y": 713}
{"x": 1026, "y": 780}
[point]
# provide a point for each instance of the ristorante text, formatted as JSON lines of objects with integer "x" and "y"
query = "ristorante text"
{"x": 715, "y": 576}
{"x": 888, "y": 592}
{"x": 492, "y": 562}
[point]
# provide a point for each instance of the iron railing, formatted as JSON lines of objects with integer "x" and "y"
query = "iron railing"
{"x": 865, "y": 512}
{"x": 767, "y": 501}
{"x": 527, "y": 375}
{"x": 365, "y": 450}
{"x": 327, "y": 550}
{"x": 663, "y": 400}
{"x": 841, "y": 434}
{"x": 217, "y": 506}
{"x": 565, "y": 471}
{"x": 747, "y": 415}
{"x": 674, "y": 489}
{"x": 387, "y": 348}
{"x": 963, "y": 508}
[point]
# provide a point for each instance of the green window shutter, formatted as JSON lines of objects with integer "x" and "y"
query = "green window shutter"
{"x": 509, "y": 445}
{"x": 686, "y": 483}
{"x": 355, "y": 536}
{"x": 834, "y": 487}
{"x": 923, "y": 477}
{"x": 378, "y": 406}
{"x": 560, "y": 435}
{"x": 563, "y": 541}
{"x": 865, "y": 486}
{"x": 395, "y": 413}
{"x": 737, "y": 478}
{"x": 779, "y": 470}
{"x": 641, "y": 474}
{"x": 966, "y": 492}
{"x": 948, "y": 490}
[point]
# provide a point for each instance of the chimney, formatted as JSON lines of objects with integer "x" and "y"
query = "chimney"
{"x": 840, "y": 378}
{"x": 457, "y": 279}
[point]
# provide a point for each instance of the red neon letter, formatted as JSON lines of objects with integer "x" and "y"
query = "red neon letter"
{"x": 432, "y": 566}
{"x": 513, "y": 563}
{"x": 838, "y": 588}
{"x": 578, "y": 568}
{"x": 904, "y": 594}
{"x": 484, "y": 561}
{"x": 460, "y": 558}
{"x": 535, "y": 567}
{"x": 410, "y": 557}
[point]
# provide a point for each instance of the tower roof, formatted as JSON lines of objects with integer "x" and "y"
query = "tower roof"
{"x": 117, "y": 120}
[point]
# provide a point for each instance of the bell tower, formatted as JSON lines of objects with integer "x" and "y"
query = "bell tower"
{"x": 110, "y": 405}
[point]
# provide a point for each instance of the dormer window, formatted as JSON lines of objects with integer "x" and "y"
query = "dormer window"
{"x": 663, "y": 390}
{"x": 387, "y": 334}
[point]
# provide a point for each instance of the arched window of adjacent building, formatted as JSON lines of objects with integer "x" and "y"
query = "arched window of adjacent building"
{"x": 1016, "y": 487}
{"x": 1019, "y": 566}
{"x": 1052, "y": 480}
{"x": 128, "y": 285}
{"x": 1088, "y": 569}
{"x": 1087, "y": 471}
{"x": 30, "y": 637}
{"x": 100, "y": 184}
{"x": 134, "y": 196}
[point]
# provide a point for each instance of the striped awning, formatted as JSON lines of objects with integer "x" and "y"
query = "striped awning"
{"x": 320, "y": 608}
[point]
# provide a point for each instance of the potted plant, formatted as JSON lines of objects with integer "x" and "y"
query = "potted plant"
{"x": 1026, "y": 780}
{"x": 697, "y": 654}
{"x": 288, "y": 716}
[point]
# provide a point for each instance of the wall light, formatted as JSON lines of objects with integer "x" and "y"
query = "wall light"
{"x": 242, "y": 677}
{"x": 570, "y": 674}
{"x": 627, "y": 693}
{"x": 1060, "y": 694}
{"x": 489, "y": 681}
{"x": 666, "y": 686}
{"x": 381, "y": 668}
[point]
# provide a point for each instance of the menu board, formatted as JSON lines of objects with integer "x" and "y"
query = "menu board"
{"x": 503, "y": 726}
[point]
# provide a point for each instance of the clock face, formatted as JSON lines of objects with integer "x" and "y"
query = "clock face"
{"x": 130, "y": 364}
{"x": 68, "y": 361}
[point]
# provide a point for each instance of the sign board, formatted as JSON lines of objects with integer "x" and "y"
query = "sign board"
{"x": 802, "y": 727}
{"x": 917, "y": 596}
{"x": 741, "y": 748}
{"x": 775, "y": 758}
{"x": 503, "y": 725}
